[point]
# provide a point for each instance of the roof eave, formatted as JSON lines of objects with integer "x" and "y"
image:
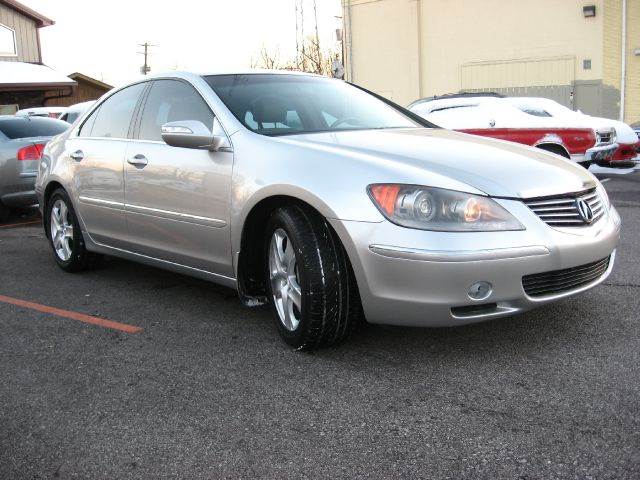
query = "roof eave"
{"x": 41, "y": 20}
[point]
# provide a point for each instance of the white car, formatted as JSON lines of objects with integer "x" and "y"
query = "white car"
{"x": 75, "y": 111}
{"x": 51, "y": 112}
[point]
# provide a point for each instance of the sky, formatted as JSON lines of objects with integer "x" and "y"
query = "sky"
{"x": 101, "y": 38}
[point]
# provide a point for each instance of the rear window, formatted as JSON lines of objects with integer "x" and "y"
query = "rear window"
{"x": 26, "y": 127}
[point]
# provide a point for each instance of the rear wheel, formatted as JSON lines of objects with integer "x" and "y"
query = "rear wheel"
{"x": 65, "y": 235}
{"x": 312, "y": 290}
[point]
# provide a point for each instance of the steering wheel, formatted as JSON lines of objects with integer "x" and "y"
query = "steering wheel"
{"x": 340, "y": 121}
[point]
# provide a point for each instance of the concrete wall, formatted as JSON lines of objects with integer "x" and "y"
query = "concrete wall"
{"x": 26, "y": 36}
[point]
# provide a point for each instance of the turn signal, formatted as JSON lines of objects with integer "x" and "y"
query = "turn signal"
{"x": 386, "y": 196}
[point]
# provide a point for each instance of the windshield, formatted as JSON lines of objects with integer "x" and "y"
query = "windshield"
{"x": 278, "y": 104}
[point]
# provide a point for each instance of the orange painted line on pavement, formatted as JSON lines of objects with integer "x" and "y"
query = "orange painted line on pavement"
{"x": 81, "y": 317}
{"x": 12, "y": 225}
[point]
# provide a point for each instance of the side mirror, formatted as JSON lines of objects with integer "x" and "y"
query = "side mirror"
{"x": 194, "y": 134}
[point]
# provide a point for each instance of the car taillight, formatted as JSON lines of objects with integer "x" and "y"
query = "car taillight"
{"x": 31, "y": 152}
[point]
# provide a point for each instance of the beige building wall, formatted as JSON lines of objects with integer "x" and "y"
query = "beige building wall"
{"x": 457, "y": 33}
{"x": 26, "y": 36}
{"x": 384, "y": 45}
{"x": 509, "y": 45}
{"x": 613, "y": 63}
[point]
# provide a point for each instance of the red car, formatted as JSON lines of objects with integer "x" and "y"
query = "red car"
{"x": 581, "y": 138}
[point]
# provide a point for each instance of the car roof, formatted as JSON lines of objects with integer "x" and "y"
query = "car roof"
{"x": 256, "y": 71}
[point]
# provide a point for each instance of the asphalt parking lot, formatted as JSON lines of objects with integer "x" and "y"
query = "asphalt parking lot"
{"x": 204, "y": 388}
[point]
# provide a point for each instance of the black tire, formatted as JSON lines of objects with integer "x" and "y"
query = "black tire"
{"x": 5, "y": 213}
{"x": 331, "y": 308}
{"x": 80, "y": 259}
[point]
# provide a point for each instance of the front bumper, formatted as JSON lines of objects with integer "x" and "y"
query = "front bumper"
{"x": 422, "y": 278}
{"x": 598, "y": 154}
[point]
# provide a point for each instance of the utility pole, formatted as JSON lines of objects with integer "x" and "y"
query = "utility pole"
{"x": 145, "y": 68}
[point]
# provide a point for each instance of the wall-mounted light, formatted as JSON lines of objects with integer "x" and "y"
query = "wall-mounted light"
{"x": 589, "y": 11}
{"x": 636, "y": 51}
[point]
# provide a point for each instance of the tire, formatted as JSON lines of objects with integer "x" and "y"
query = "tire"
{"x": 5, "y": 213}
{"x": 312, "y": 281}
{"x": 69, "y": 250}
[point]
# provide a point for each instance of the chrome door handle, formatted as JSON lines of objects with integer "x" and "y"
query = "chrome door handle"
{"x": 77, "y": 155}
{"x": 138, "y": 161}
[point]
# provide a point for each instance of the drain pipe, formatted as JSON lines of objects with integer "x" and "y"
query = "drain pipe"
{"x": 346, "y": 16}
{"x": 623, "y": 69}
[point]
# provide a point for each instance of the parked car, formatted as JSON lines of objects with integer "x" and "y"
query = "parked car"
{"x": 22, "y": 141}
{"x": 75, "y": 111}
{"x": 324, "y": 200}
{"x": 51, "y": 112}
{"x": 626, "y": 154}
{"x": 498, "y": 117}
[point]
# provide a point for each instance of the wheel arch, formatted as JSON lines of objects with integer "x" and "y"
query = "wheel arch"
{"x": 554, "y": 147}
{"x": 51, "y": 187}
{"x": 248, "y": 259}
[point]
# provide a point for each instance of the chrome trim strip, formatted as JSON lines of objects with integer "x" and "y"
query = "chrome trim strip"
{"x": 170, "y": 215}
{"x": 458, "y": 256}
{"x": 154, "y": 212}
{"x": 499, "y": 311}
{"x": 28, "y": 174}
{"x": 99, "y": 202}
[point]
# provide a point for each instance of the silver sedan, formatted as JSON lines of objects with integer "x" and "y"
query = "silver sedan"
{"x": 22, "y": 141}
{"x": 326, "y": 201}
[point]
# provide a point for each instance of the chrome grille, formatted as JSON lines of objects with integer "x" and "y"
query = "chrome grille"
{"x": 558, "y": 281}
{"x": 604, "y": 137}
{"x": 563, "y": 211}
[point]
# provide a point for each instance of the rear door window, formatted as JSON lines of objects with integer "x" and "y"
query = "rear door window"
{"x": 113, "y": 117}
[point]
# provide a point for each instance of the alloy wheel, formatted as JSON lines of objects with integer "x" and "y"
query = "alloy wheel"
{"x": 283, "y": 274}
{"x": 61, "y": 230}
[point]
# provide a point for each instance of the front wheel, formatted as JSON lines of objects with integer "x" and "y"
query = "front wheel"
{"x": 65, "y": 235}
{"x": 312, "y": 290}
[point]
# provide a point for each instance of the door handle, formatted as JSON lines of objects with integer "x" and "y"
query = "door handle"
{"x": 78, "y": 155}
{"x": 138, "y": 160}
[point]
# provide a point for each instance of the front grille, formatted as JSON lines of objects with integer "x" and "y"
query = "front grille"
{"x": 558, "y": 281}
{"x": 563, "y": 210}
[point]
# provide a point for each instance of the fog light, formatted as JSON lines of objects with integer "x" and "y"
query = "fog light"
{"x": 480, "y": 290}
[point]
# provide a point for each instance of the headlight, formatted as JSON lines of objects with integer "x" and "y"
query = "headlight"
{"x": 428, "y": 208}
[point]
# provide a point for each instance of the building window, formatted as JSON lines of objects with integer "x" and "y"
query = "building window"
{"x": 7, "y": 41}
{"x": 586, "y": 64}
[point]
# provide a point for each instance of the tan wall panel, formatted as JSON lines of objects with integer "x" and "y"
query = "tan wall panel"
{"x": 459, "y": 32}
{"x": 518, "y": 73}
{"x": 632, "y": 103}
{"x": 385, "y": 47}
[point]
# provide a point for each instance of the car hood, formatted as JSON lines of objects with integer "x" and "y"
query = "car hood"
{"x": 624, "y": 133}
{"x": 495, "y": 167}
